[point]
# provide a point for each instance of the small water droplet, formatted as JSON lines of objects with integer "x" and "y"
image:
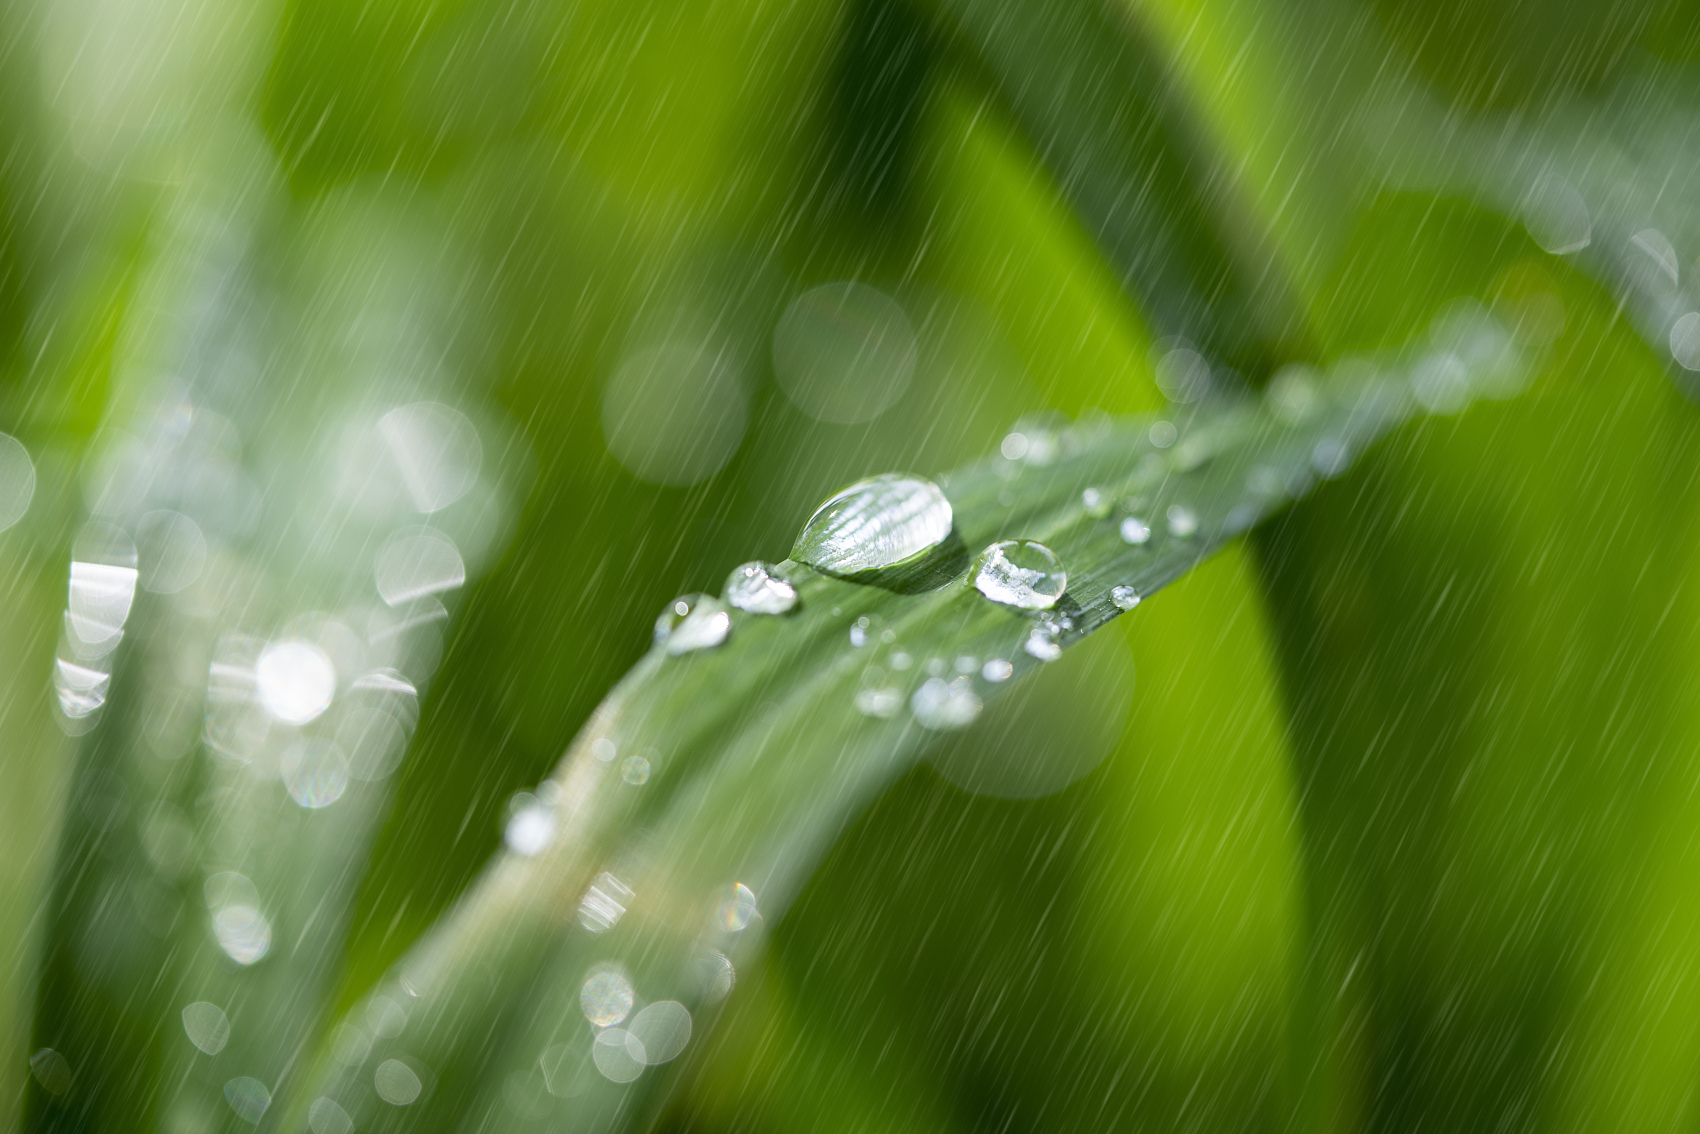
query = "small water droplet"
{"x": 1162, "y": 434}
{"x": 1292, "y": 396}
{"x": 1135, "y": 531}
{"x": 737, "y": 908}
{"x": 1183, "y": 521}
{"x": 249, "y": 1098}
{"x": 1014, "y": 446}
{"x": 901, "y": 660}
{"x": 1096, "y": 502}
{"x": 967, "y": 663}
{"x": 870, "y": 629}
{"x": 326, "y": 1117}
{"x": 243, "y": 933}
{"x": 606, "y": 998}
{"x": 604, "y": 749}
{"x": 207, "y": 1027}
{"x": 530, "y": 830}
{"x": 1020, "y": 573}
{"x": 1125, "y": 598}
{"x": 881, "y": 701}
{"x": 51, "y": 1070}
{"x": 756, "y": 588}
{"x": 997, "y": 670}
{"x": 663, "y": 1028}
{"x": 877, "y": 522}
{"x": 1041, "y": 645}
{"x": 692, "y": 622}
{"x": 619, "y": 1055}
{"x": 295, "y": 680}
{"x": 714, "y": 974}
{"x": 604, "y": 904}
{"x": 635, "y": 770}
{"x": 942, "y": 705}
{"x": 314, "y": 772}
{"x": 936, "y": 667}
{"x": 396, "y": 1083}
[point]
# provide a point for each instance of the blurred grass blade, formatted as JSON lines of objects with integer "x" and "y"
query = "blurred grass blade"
{"x": 695, "y": 802}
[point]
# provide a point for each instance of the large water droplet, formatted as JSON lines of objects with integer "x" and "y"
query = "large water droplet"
{"x": 1021, "y": 573}
{"x": 754, "y": 587}
{"x": 692, "y": 622}
{"x": 875, "y": 523}
{"x": 942, "y": 705}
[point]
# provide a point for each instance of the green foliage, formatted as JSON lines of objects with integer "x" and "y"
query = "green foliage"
{"x": 1394, "y": 829}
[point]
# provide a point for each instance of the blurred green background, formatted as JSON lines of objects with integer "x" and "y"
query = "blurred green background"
{"x": 1396, "y": 827}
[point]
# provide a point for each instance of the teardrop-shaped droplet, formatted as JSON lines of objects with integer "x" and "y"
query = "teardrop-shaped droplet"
{"x": 875, "y": 523}
{"x": 756, "y": 588}
{"x": 1020, "y": 573}
{"x": 692, "y": 622}
{"x": 942, "y": 705}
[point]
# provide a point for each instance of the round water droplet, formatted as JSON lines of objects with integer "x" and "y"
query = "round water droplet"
{"x": 754, "y": 587}
{"x": 844, "y": 353}
{"x": 1183, "y": 521}
{"x": 1020, "y": 573}
{"x": 396, "y": 1083}
{"x": 385, "y": 1017}
{"x": 635, "y": 770}
{"x": 1096, "y": 502}
{"x": 606, "y": 998}
{"x": 737, "y": 908}
{"x": 437, "y": 451}
{"x": 326, "y": 1117}
{"x": 1125, "y": 598}
{"x": 530, "y": 830}
{"x": 1556, "y": 216}
{"x": 663, "y": 1028}
{"x": 714, "y": 975}
{"x": 692, "y": 622}
{"x": 207, "y": 1027}
{"x": 997, "y": 670}
{"x": 315, "y": 773}
{"x": 619, "y": 1055}
{"x": 296, "y": 680}
{"x": 1042, "y": 645}
{"x": 243, "y": 933}
{"x": 941, "y": 705}
{"x": 875, "y": 523}
{"x": 1183, "y": 375}
{"x": 417, "y": 562}
{"x": 1135, "y": 531}
{"x": 249, "y": 1098}
{"x": 1162, "y": 434}
{"x": 604, "y": 750}
{"x": 870, "y": 630}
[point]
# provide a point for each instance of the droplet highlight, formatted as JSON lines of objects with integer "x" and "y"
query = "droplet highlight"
{"x": 877, "y": 522}
{"x": 943, "y": 706}
{"x": 1021, "y": 573}
{"x": 756, "y": 587}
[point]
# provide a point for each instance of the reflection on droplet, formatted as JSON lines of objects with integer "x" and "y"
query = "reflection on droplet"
{"x": 1441, "y": 383}
{"x": 714, "y": 974}
{"x": 170, "y": 552}
{"x": 103, "y": 583}
{"x": 606, "y": 998}
{"x": 604, "y": 903}
{"x": 530, "y": 830}
{"x": 941, "y": 705}
{"x": 436, "y": 449}
{"x": 81, "y": 689}
{"x": 1183, "y": 521}
{"x": 243, "y": 933}
{"x": 1041, "y": 644}
{"x": 1013, "y": 446}
{"x": 635, "y": 770}
{"x": 737, "y": 908}
{"x": 51, "y": 1071}
{"x": 619, "y": 1055}
{"x": 396, "y": 1083}
{"x": 1097, "y": 502}
{"x": 1556, "y": 216}
{"x": 315, "y": 773}
{"x": 874, "y": 523}
{"x": 757, "y": 588}
{"x": 417, "y": 563}
{"x": 1685, "y": 341}
{"x": 663, "y": 1028}
{"x": 1135, "y": 531}
{"x": 207, "y": 1027}
{"x": 675, "y": 413}
{"x": 295, "y": 680}
{"x": 249, "y": 1098}
{"x": 997, "y": 670}
{"x": 843, "y": 352}
{"x": 17, "y": 481}
{"x": 1125, "y": 598}
{"x": 326, "y": 1117}
{"x": 1659, "y": 249}
{"x": 373, "y": 742}
{"x": 1020, "y": 573}
{"x": 692, "y": 622}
